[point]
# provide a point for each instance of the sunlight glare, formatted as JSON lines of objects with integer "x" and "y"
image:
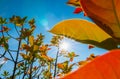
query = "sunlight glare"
{"x": 64, "y": 45}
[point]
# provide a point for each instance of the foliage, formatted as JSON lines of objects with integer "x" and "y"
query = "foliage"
{"x": 30, "y": 57}
{"x": 106, "y": 17}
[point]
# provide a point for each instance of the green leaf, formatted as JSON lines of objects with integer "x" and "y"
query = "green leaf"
{"x": 2, "y": 20}
{"x": 6, "y": 46}
{"x": 5, "y": 73}
{"x": 84, "y": 32}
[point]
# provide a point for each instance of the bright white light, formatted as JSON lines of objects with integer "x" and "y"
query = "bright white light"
{"x": 64, "y": 46}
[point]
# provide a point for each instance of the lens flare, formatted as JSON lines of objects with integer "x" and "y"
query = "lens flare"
{"x": 64, "y": 45}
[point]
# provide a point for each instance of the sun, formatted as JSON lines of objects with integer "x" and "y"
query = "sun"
{"x": 64, "y": 45}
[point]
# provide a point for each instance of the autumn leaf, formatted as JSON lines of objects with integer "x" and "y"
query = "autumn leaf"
{"x": 5, "y": 29}
{"x": 85, "y": 32}
{"x": 78, "y": 10}
{"x": 44, "y": 48}
{"x": 90, "y": 46}
{"x": 26, "y": 57}
{"x": 82, "y": 63}
{"x": 106, "y": 66}
{"x": 47, "y": 58}
{"x": 63, "y": 65}
{"x": 35, "y": 47}
{"x": 60, "y": 65}
{"x": 106, "y": 16}
{"x": 17, "y": 20}
{"x": 26, "y": 32}
{"x": 26, "y": 47}
{"x": 71, "y": 55}
{"x": 74, "y": 3}
{"x": 31, "y": 40}
{"x": 31, "y": 22}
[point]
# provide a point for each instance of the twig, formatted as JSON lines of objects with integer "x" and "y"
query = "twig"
{"x": 56, "y": 63}
{"x": 17, "y": 30}
{"x": 5, "y": 42}
{"x": 14, "y": 70}
{"x": 2, "y": 55}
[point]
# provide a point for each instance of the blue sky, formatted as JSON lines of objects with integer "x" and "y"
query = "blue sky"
{"x": 47, "y": 13}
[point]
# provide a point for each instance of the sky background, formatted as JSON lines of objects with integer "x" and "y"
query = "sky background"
{"x": 47, "y": 13}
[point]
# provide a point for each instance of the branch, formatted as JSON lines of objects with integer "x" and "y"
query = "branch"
{"x": 14, "y": 70}
{"x": 56, "y": 63}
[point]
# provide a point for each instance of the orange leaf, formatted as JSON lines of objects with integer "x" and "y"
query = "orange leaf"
{"x": 106, "y": 66}
{"x": 60, "y": 65}
{"x": 106, "y": 14}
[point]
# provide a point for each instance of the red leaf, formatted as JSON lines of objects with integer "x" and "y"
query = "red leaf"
{"x": 91, "y": 46}
{"x": 78, "y": 10}
{"x": 106, "y": 66}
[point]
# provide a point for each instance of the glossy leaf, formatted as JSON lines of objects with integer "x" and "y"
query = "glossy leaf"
{"x": 85, "y": 32}
{"x": 106, "y": 66}
{"x": 106, "y": 14}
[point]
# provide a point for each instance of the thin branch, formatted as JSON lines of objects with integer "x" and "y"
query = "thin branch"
{"x": 11, "y": 36}
{"x": 5, "y": 42}
{"x": 31, "y": 67}
{"x": 25, "y": 62}
{"x": 10, "y": 55}
{"x": 17, "y": 30}
{"x": 7, "y": 58}
{"x": 20, "y": 61}
{"x": 12, "y": 50}
{"x": 15, "y": 65}
{"x": 2, "y": 55}
{"x": 36, "y": 72}
{"x": 56, "y": 62}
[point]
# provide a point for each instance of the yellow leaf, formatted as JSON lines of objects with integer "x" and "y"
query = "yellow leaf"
{"x": 74, "y": 3}
{"x": 46, "y": 57}
{"x": 31, "y": 40}
{"x": 26, "y": 57}
{"x": 18, "y": 24}
{"x": 85, "y": 32}
{"x": 36, "y": 47}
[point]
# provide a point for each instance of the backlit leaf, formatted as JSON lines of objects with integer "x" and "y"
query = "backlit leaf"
{"x": 106, "y": 66}
{"x": 106, "y": 14}
{"x": 85, "y": 32}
